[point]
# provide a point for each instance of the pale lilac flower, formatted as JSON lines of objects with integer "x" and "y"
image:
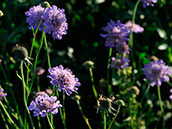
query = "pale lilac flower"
{"x": 171, "y": 95}
{"x": 120, "y": 63}
{"x": 39, "y": 71}
{"x": 55, "y": 22}
{"x": 64, "y": 79}
{"x": 34, "y": 16}
{"x": 44, "y": 104}
{"x": 148, "y": 2}
{"x": 136, "y": 28}
{"x": 122, "y": 48}
{"x": 157, "y": 72}
{"x": 117, "y": 33}
{"x": 2, "y": 94}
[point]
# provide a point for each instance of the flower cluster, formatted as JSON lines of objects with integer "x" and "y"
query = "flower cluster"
{"x": 44, "y": 104}
{"x": 120, "y": 62}
{"x": 117, "y": 33}
{"x": 54, "y": 19}
{"x": 157, "y": 72}
{"x": 64, "y": 79}
{"x": 2, "y": 94}
{"x": 148, "y": 2}
{"x": 135, "y": 28}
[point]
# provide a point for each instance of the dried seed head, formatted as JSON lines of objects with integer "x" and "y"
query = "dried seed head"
{"x": 45, "y": 4}
{"x": 88, "y": 64}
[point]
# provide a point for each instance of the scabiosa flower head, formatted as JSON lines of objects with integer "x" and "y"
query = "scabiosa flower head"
{"x": 120, "y": 62}
{"x": 171, "y": 94}
{"x": 34, "y": 16}
{"x": 105, "y": 104}
{"x": 2, "y": 94}
{"x": 157, "y": 72}
{"x": 117, "y": 33}
{"x": 64, "y": 78}
{"x": 148, "y": 2}
{"x": 21, "y": 53}
{"x": 44, "y": 104}
{"x": 122, "y": 48}
{"x": 55, "y": 22}
{"x": 39, "y": 71}
{"x": 136, "y": 28}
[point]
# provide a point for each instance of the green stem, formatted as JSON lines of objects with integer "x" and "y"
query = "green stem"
{"x": 108, "y": 68}
{"x": 85, "y": 118}
{"x": 104, "y": 119}
{"x": 119, "y": 106}
{"x": 49, "y": 122}
{"x": 61, "y": 114}
{"x": 92, "y": 80}
{"x": 5, "y": 123}
{"x": 11, "y": 121}
{"x": 64, "y": 114}
{"x": 24, "y": 94}
{"x": 48, "y": 56}
{"x": 145, "y": 94}
{"x": 160, "y": 101}
{"x": 39, "y": 123}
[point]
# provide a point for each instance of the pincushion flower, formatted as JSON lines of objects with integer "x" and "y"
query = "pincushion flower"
{"x": 2, "y": 94}
{"x": 117, "y": 33}
{"x": 55, "y": 22}
{"x": 64, "y": 79}
{"x": 157, "y": 72}
{"x": 44, "y": 104}
{"x": 136, "y": 28}
{"x": 148, "y": 2}
{"x": 120, "y": 63}
{"x": 34, "y": 16}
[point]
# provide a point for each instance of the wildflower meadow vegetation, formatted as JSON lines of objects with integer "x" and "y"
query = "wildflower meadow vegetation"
{"x": 78, "y": 64}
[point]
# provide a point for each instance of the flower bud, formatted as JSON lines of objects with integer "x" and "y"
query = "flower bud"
{"x": 88, "y": 64}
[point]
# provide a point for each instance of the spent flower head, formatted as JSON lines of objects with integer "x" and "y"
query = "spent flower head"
{"x": 148, "y": 2}
{"x": 21, "y": 53}
{"x": 34, "y": 16}
{"x": 157, "y": 72}
{"x": 116, "y": 33}
{"x": 55, "y": 22}
{"x": 136, "y": 28}
{"x": 64, "y": 79}
{"x": 121, "y": 62}
{"x": 2, "y": 94}
{"x": 44, "y": 104}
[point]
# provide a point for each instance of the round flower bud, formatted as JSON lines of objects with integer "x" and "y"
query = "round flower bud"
{"x": 76, "y": 97}
{"x": 88, "y": 64}
{"x": 45, "y": 4}
{"x": 1, "y": 13}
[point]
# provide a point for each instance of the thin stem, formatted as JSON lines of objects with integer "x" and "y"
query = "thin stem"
{"x": 145, "y": 93}
{"x": 61, "y": 114}
{"x": 49, "y": 122}
{"x": 160, "y": 101}
{"x": 119, "y": 106}
{"x": 24, "y": 94}
{"x": 5, "y": 123}
{"x": 11, "y": 121}
{"x": 64, "y": 114}
{"x": 48, "y": 56}
{"x": 85, "y": 118}
{"x": 39, "y": 123}
{"x": 108, "y": 67}
{"x": 92, "y": 80}
{"x": 104, "y": 119}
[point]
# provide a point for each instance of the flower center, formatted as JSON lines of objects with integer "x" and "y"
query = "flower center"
{"x": 45, "y": 105}
{"x": 156, "y": 70}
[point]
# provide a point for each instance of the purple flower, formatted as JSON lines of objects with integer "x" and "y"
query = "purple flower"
{"x": 64, "y": 79}
{"x": 44, "y": 104}
{"x": 122, "y": 48}
{"x": 170, "y": 95}
{"x": 120, "y": 63}
{"x": 2, "y": 94}
{"x": 136, "y": 28}
{"x": 148, "y": 2}
{"x": 157, "y": 72}
{"x": 55, "y": 22}
{"x": 117, "y": 33}
{"x": 34, "y": 16}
